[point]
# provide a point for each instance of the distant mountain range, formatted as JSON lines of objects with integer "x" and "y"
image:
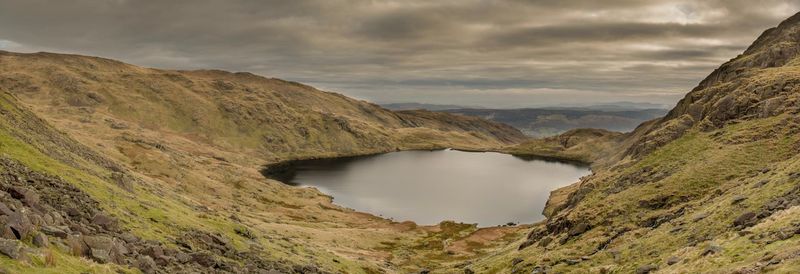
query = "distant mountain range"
{"x": 416, "y": 106}
{"x": 549, "y": 121}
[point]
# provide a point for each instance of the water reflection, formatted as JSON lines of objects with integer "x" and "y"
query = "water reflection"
{"x": 430, "y": 186}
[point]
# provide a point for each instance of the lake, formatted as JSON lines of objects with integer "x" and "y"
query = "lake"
{"x": 428, "y": 187}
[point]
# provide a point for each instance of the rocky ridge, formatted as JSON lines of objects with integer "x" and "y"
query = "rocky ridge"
{"x": 710, "y": 188}
{"x": 165, "y": 164}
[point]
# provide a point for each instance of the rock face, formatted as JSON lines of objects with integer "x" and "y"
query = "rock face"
{"x": 735, "y": 90}
{"x": 74, "y": 219}
{"x": 10, "y": 248}
{"x": 721, "y": 163}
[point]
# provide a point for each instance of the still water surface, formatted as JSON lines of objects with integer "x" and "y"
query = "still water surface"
{"x": 430, "y": 186}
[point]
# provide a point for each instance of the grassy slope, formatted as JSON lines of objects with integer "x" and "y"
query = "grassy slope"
{"x": 582, "y": 145}
{"x": 677, "y": 185}
{"x": 195, "y": 141}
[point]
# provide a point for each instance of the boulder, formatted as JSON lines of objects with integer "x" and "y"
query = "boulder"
{"x": 73, "y": 212}
{"x": 673, "y": 260}
{"x": 526, "y": 244}
{"x": 737, "y": 199}
{"x": 129, "y": 238}
{"x": 40, "y": 240}
{"x": 104, "y": 221}
{"x": 154, "y": 251}
{"x": 146, "y": 264}
{"x": 204, "y": 258}
{"x": 56, "y": 231}
{"x": 579, "y": 229}
{"x": 545, "y": 241}
{"x": 748, "y": 218}
{"x": 27, "y": 196}
{"x": 99, "y": 242}
{"x": 5, "y": 210}
{"x": 77, "y": 246}
{"x": 711, "y": 249}
{"x": 183, "y": 258}
{"x": 18, "y": 224}
{"x": 516, "y": 261}
{"x": 645, "y": 269}
{"x": 10, "y": 248}
{"x": 101, "y": 255}
{"x": 102, "y": 249}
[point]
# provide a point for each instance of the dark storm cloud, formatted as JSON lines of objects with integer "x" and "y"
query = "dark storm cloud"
{"x": 478, "y": 52}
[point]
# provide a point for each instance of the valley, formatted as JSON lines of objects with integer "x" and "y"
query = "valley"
{"x": 550, "y": 121}
{"x": 108, "y": 167}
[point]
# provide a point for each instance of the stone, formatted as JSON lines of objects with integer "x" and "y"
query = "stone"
{"x": 645, "y": 269}
{"x": 673, "y": 260}
{"x": 545, "y": 241}
{"x": 744, "y": 219}
{"x": 4, "y": 210}
{"x": 711, "y": 249}
{"x": 77, "y": 246}
{"x": 101, "y": 255}
{"x": 40, "y": 240}
{"x": 760, "y": 183}
{"x": 146, "y": 264}
{"x": 55, "y": 231}
{"x": 468, "y": 271}
{"x": 73, "y": 212}
{"x": 27, "y": 196}
{"x": 579, "y": 229}
{"x": 163, "y": 260}
{"x": 526, "y": 244}
{"x": 154, "y": 251}
{"x": 700, "y": 216}
{"x": 738, "y": 199}
{"x": 129, "y": 238}
{"x": 183, "y": 258}
{"x": 99, "y": 242}
{"x": 19, "y": 225}
{"x": 10, "y": 248}
{"x": 118, "y": 125}
{"x": 204, "y": 258}
{"x": 104, "y": 221}
{"x": 516, "y": 261}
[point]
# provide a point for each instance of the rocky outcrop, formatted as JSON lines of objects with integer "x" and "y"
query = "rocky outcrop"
{"x": 746, "y": 87}
{"x": 722, "y": 162}
{"x": 46, "y": 211}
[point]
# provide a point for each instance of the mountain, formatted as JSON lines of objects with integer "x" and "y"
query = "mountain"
{"x": 615, "y": 106}
{"x": 107, "y": 167}
{"x": 545, "y": 122}
{"x": 418, "y": 106}
{"x": 712, "y": 187}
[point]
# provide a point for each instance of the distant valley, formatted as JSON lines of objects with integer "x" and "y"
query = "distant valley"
{"x": 550, "y": 121}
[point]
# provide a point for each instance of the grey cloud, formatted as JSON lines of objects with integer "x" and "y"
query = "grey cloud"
{"x": 444, "y": 51}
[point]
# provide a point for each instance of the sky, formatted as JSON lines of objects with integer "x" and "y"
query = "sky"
{"x": 505, "y": 54}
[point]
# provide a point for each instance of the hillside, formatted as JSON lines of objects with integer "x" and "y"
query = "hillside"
{"x": 417, "y": 106}
{"x": 547, "y": 122}
{"x": 110, "y": 167}
{"x": 713, "y": 187}
{"x": 590, "y": 146}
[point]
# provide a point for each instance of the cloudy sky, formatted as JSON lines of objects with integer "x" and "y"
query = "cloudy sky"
{"x": 511, "y": 53}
